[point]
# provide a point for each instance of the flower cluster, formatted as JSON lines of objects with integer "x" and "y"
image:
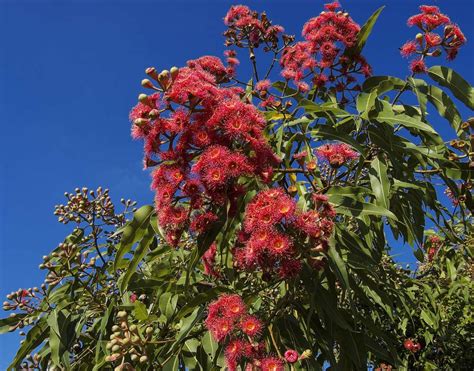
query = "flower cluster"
{"x": 272, "y": 228}
{"x": 249, "y": 29}
{"x": 201, "y": 138}
{"x": 336, "y": 154}
{"x": 432, "y": 246}
{"x": 412, "y": 346}
{"x": 429, "y": 43}
{"x": 229, "y": 323}
{"x": 321, "y": 55}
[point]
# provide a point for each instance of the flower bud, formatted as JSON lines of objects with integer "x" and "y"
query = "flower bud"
{"x": 143, "y": 359}
{"x": 147, "y": 84}
{"x": 116, "y": 348}
{"x": 143, "y": 98}
{"x": 151, "y": 71}
{"x": 174, "y": 72}
{"x": 122, "y": 314}
{"x": 140, "y": 122}
{"x": 306, "y": 354}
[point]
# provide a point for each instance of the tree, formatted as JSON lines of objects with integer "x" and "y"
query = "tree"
{"x": 267, "y": 246}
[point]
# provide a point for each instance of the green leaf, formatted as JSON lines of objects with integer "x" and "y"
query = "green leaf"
{"x": 187, "y": 323}
{"x": 7, "y": 323}
{"x": 453, "y": 81}
{"x": 37, "y": 334}
{"x": 379, "y": 182}
{"x": 138, "y": 256}
{"x": 339, "y": 264}
{"x": 140, "y": 311}
{"x": 133, "y": 232}
{"x": 440, "y": 100}
{"x": 350, "y": 206}
{"x": 378, "y": 82}
{"x": 388, "y": 115}
{"x": 365, "y": 103}
{"x": 364, "y": 33}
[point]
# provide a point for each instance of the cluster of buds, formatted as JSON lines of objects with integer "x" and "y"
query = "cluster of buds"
{"x": 128, "y": 340}
{"x": 431, "y": 44}
{"x": 26, "y": 300}
{"x": 31, "y": 362}
{"x": 86, "y": 205}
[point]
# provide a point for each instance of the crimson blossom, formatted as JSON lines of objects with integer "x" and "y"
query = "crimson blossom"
{"x": 429, "y": 43}
{"x": 201, "y": 138}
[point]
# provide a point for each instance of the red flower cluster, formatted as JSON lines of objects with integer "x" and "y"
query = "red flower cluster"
{"x": 229, "y": 322}
{"x": 248, "y": 29}
{"x": 336, "y": 154}
{"x": 412, "y": 346}
{"x": 271, "y": 221}
{"x": 203, "y": 138}
{"x": 321, "y": 54}
{"x": 432, "y": 246}
{"x": 430, "y": 43}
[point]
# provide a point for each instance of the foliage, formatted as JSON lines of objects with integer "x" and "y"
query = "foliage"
{"x": 269, "y": 244}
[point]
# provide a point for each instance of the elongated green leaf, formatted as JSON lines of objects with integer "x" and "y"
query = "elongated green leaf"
{"x": 379, "y": 182}
{"x": 376, "y": 82}
{"x": 440, "y": 100}
{"x": 37, "y": 334}
{"x": 133, "y": 232}
{"x": 138, "y": 256}
{"x": 7, "y": 323}
{"x": 352, "y": 207}
{"x": 365, "y": 103}
{"x": 365, "y": 33}
{"x": 340, "y": 265}
{"x": 453, "y": 81}
{"x": 388, "y": 115}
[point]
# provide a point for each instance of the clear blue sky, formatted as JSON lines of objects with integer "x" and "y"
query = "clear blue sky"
{"x": 71, "y": 70}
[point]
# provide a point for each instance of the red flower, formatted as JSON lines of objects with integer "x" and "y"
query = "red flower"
{"x": 418, "y": 66}
{"x": 408, "y": 344}
{"x": 291, "y": 356}
{"x": 251, "y": 326}
{"x": 133, "y": 297}
{"x": 408, "y": 48}
{"x": 336, "y": 154}
{"x": 272, "y": 364}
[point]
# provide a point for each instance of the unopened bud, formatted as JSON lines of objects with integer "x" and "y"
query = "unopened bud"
{"x": 151, "y": 71}
{"x": 154, "y": 113}
{"x": 140, "y": 122}
{"x": 143, "y": 98}
{"x": 306, "y": 354}
{"x": 147, "y": 84}
{"x": 143, "y": 359}
{"x": 174, "y": 72}
{"x": 122, "y": 314}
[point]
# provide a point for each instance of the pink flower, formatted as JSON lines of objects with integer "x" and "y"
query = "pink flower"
{"x": 263, "y": 85}
{"x": 291, "y": 356}
{"x": 251, "y": 326}
{"x": 272, "y": 364}
{"x": 336, "y": 154}
{"x": 133, "y": 297}
{"x": 418, "y": 66}
{"x": 408, "y": 48}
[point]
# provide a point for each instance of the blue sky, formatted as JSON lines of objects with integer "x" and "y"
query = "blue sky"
{"x": 71, "y": 70}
